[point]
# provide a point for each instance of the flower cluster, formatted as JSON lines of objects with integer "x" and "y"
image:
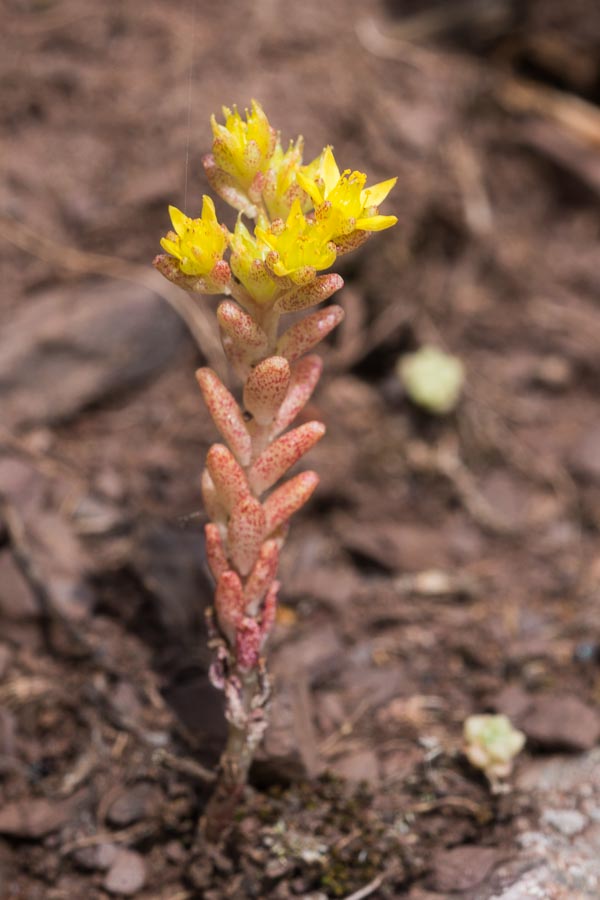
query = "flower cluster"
{"x": 304, "y": 217}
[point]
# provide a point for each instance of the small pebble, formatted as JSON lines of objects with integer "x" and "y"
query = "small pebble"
{"x": 126, "y": 875}
{"x": 568, "y": 821}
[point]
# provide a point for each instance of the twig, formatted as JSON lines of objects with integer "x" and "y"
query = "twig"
{"x": 184, "y": 766}
{"x": 442, "y": 460}
{"x": 367, "y": 890}
{"x": 26, "y": 565}
{"x": 575, "y": 115}
{"x": 476, "y": 809}
{"x": 331, "y": 741}
{"x": 124, "y": 836}
{"x": 196, "y": 317}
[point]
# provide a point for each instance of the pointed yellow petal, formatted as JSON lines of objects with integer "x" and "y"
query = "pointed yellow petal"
{"x": 376, "y": 194}
{"x": 171, "y": 247}
{"x": 331, "y": 173}
{"x": 295, "y": 212}
{"x": 376, "y": 223}
{"x": 328, "y": 256}
{"x": 178, "y": 219}
{"x": 257, "y": 109}
{"x": 208, "y": 209}
{"x": 310, "y": 187}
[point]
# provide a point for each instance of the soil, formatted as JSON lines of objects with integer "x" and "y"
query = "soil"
{"x": 446, "y": 566}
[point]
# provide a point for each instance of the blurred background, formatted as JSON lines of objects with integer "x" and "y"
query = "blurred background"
{"x": 448, "y": 563}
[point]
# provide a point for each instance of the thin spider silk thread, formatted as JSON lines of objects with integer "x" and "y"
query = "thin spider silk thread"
{"x": 189, "y": 103}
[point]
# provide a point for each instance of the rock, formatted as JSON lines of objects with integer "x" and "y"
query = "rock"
{"x": 539, "y": 883}
{"x": 33, "y": 819}
{"x": 317, "y": 653}
{"x": 199, "y": 706}
{"x": 141, "y": 801}
{"x": 585, "y": 457}
{"x": 395, "y": 546}
{"x": 125, "y": 705}
{"x": 176, "y": 852}
{"x": 570, "y": 775}
{"x": 561, "y": 722}
{"x": 16, "y": 597}
{"x": 8, "y": 733}
{"x": 97, "y": 857}
{"x": 94, "y": 517}
{"x": 512, "y": 701}
{"x": 127, "y": 874}
{"x": 60, "y": 563}
{"x": 169, "y": 563}
{"x": 554, "y": 721}
{"x": 289, "y": 751}
{"x": 567, "y": 821}
{"x": 462, "y": 868}
{"x": 5, "y": 659}
{"x": 507, "y": 496}
{"x": 360, "y": 765}
{"x": 92, "y": 341}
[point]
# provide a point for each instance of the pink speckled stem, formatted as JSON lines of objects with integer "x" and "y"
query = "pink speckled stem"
{"x": 247, "y": 530}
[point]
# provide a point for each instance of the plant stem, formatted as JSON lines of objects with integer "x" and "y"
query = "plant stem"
{"x": 245, "y": 734}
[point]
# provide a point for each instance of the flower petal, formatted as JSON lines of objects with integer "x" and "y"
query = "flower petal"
{"x": 179, "y": 220}
{"x": 329, "y": 169}
{"x": 208, "y": 209}
{"x": 310, "y": 187}
{"x": 376, "y": 223}
{"x": 377, "y": 193}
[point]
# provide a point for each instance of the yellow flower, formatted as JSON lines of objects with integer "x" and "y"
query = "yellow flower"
{"x": 300, "y": 247}
{"x": 341, "y": 200}
{"x": 248, "y": 264}
{"x": 243, "y": 148}
{"x": 281, "y": 188}
{"x": 198, "y": 244}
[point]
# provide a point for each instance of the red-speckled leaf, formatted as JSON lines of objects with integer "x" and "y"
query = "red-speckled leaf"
{"x": 310, "y": 294}
{"x": 215, "y": 552}
{"x": 269, "y": 612}
{"x": 227, "y": 475}
{"x": 241, "y": 327}
{"x": 247, "y": 644}
{"x": 282, "y": 454}
{"x": 229, "y": 603}
{"x": 288, "y": 498}
{"x": 212, "y": 504}
{"x": 305, "y": 375}
{"x": 225, "y": 186}
{"x": 266, "y": 388}
{"x": 226, "y": 414}
{"x": 261, "y": 576}
{"x": 246, "y": 533}
{"x": 306, "y": 334}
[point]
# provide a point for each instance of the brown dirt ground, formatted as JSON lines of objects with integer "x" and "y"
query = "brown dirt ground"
{"x": 108, "y": 726}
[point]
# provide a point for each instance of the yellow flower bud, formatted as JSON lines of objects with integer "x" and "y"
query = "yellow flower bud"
{"x": 281, "y": 187}
{"x": 241, "y": 148}
{"x": 248, "y": 264}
